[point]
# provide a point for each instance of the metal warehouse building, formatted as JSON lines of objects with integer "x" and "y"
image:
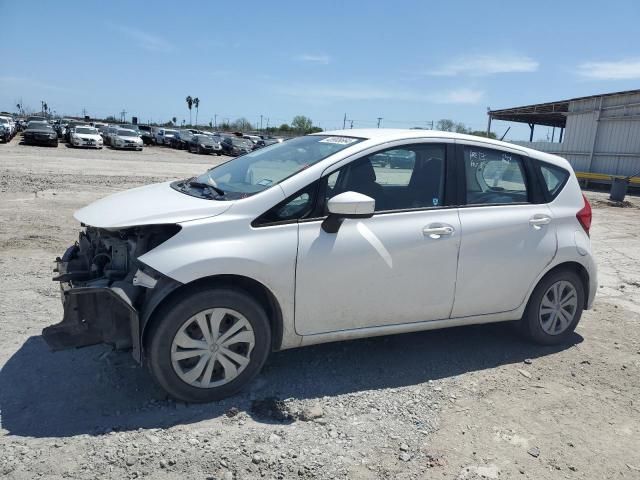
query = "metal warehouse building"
{"x": 599, "y": 135}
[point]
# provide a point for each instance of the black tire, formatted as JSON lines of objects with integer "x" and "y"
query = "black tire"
{"x": 167, "y": 323}
{"x": 530, "y": 324}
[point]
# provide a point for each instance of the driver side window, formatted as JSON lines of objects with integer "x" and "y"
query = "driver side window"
{"x": 400, "y": 178}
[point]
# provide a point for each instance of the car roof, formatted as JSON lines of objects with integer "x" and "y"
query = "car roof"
{"x": 125, "y": 129}
{"x": 376, "y": 136}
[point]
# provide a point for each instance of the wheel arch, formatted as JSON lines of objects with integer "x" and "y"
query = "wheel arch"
{"x": 574, "y": 267}
{"x": 250, "y": 286}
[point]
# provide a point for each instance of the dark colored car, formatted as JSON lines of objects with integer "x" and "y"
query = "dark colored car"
{"x": 204, "y": 144}
{"x": 40, "y": 133}
{"x": 235, "y": 146}
{"x": 182, "y": 139}
{"x": 146, "y": 134}
{"x": 5, "y": 134}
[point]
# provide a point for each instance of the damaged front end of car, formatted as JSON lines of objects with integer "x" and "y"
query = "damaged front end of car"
{"x": 106, "y": 291}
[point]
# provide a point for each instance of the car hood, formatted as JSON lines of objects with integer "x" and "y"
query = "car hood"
{"x": 150, "y": 205}
{"x": 135, "y": 139}
{"x": 88, "y": 136}
{"x": 38, "y": 130}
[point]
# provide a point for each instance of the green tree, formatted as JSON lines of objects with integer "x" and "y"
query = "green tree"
{"x": 482, "y": 133}
{"x": 301, "y": 123}
{"x": 241, "y": 124}
{"x": 189, "y": 101}
{"x": 196, "y": 103}
{"x": 285, "y": 127}
{"x": 174, "y": 120}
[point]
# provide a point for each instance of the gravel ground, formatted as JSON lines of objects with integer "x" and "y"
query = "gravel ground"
{"x": 463, "y": 403}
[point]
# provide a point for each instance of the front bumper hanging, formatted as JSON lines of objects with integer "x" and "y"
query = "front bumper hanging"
{"x": 95, "y": 315}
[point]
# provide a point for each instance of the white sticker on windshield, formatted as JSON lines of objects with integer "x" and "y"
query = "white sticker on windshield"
{"x": 339, "y": 140}
{"x": 265, "y": 182}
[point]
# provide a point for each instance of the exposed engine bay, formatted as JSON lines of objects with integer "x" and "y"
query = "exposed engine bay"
{"x": 104, "y": 287}
{"x": 101, "y": 257}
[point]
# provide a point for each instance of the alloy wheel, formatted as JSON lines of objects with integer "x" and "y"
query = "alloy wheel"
{"x": 212, "y": 348}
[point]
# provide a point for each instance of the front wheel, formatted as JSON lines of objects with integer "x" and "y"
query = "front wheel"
{"x": 554, "y": 309}
{"x": 208, "y": 345}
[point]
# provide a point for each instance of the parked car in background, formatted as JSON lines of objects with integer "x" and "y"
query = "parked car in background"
{"x": 272, "y": 141}
{"x": 126, "y": 139}
{"x": 164, "y": 136}
{"x": 40, "y": 133}
{"x": 181, "y": 139}
{"x": 9, "y": 126}
{"x": 235, "y": 146}
{"x": 146, "y": 134}
{"x": 204, "y": 144}
{"x": 5, "y": 133}
{"x": 307, "y": 242}
{"x": 87, "y": 137}
{"x": 70, "y": 128}
{"x": 109, "y": 134}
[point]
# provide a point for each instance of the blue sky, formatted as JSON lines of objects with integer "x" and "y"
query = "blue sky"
{"x": 409, "y": 62}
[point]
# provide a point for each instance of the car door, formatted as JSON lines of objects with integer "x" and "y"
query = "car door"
{"x": 508, "y": 231}
{"x": 396, "y": 267}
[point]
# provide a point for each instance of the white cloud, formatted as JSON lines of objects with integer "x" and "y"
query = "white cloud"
{"x": 373, "y": 93}
{"x": 460, "y": 96}
{"x": 145, "y": 40}
{"x": 29, "y": 82}
{"x": 628, "y": 69}
{"x": 319, "y": 59}
{"x": 481, "y": 65}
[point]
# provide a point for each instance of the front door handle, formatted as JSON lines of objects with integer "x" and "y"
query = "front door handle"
{"x": 436, "y": 231}
{"x": 538, "y": 220}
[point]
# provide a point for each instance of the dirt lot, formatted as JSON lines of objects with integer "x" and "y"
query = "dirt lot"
{"x": 463, "y": 403}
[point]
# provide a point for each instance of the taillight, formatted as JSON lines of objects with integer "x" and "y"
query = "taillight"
{"x": 584, "y": 215}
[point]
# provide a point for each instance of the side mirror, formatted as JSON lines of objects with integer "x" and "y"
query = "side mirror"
{"x": 347, "y": 205}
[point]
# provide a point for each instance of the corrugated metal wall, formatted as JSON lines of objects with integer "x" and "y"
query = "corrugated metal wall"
{"x": 617, "y": 142}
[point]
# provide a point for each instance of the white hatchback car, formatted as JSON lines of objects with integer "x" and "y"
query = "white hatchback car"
{"x": 306, "y": 241}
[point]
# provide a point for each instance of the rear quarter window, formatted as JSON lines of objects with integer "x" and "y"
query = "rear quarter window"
{"x": 554, "y": 179}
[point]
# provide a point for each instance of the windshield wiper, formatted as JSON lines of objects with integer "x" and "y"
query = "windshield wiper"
{"x": 195, "y": 183}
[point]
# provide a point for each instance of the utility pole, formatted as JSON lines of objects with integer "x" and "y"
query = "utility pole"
{"x": 261, "y": 122}
{"x": 379, "y": 120}
{"x": 351, "y": 123}
{"x": 344, "y": 122}
{"x": 215, "y": 121}
{"x": 84, "y": 112}
{"x": 123, "y": 115}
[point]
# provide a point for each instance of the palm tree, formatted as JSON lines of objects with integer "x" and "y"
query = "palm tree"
{"x": 174, "y": 120}
{"x": 196, "y": 103}
{"x": 189, "y": 101}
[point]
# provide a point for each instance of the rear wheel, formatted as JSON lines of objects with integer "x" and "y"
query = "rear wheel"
{"x": 554, "y": 309}
{"x": 208, "y": 345}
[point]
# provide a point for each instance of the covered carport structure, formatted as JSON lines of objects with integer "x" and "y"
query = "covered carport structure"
{"x": 551, "y": 114}
{"x": 599, "y": 134}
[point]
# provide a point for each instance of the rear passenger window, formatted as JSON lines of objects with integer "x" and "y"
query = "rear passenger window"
{"x": 494, "y": 177}
{"x": 554, "y": 178}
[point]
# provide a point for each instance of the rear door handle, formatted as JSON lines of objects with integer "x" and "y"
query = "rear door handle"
{"x": 436, "y": 231}
{"x": 538, "y": 220}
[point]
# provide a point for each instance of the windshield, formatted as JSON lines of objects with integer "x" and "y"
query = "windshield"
{"x": 256, "y": 171}
{"x": 205, "y": 140}
{"x": 88, "y": 131}
{"x": 39, "y": 125}
{"x": 127, "y": 133}
{"x": 170, "y": 132}
{"x": 240, "y": 142}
